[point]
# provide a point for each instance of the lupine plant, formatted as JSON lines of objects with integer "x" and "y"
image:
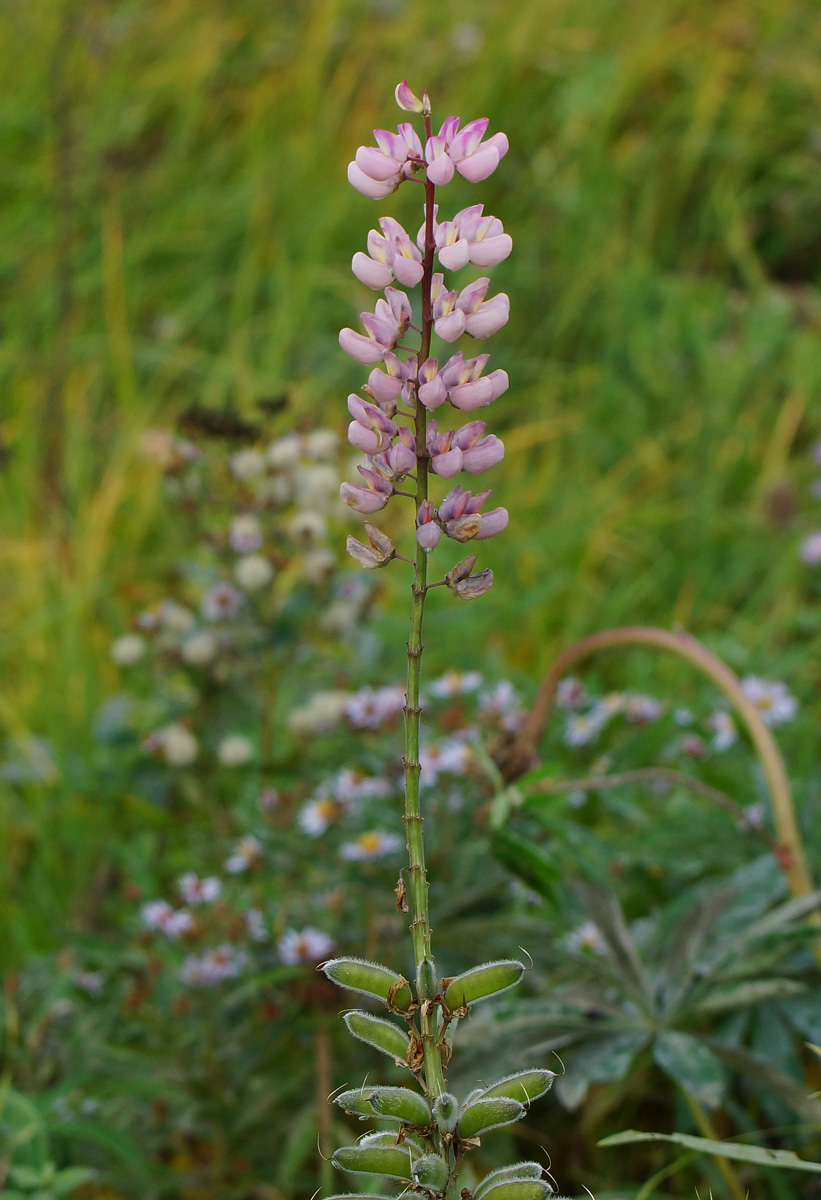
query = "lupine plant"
{"x": 393, "y": 427}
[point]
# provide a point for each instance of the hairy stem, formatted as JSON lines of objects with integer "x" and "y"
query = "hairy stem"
{"x": 420, "y": 926}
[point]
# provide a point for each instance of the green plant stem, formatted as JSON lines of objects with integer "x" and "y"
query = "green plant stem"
{"x": 707, "y": 1129}
{"x": 790, "y": 850}
{"x": 420, "y": 925}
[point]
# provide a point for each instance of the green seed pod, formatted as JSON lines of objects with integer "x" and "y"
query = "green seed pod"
{"x": 524, "y": 1086}
{"x": 431, "y": 1171}
{"x": 446, "y": 1112}
{"x": 387, "y": 1137}
{"x": 482, "y": 1115}
{"x": 518, "y": 1189}
{"x": 379, "y": 1033}
{"x": 393, "y": 1161}
{"x": 400, "y": 1104}
{"x": 372, "y": 979}
{"x": 480, "y": 982}
{"x": 355, "y": 1196}
{"x": 425, "y": 980}
{"x": 356, "y": 1101}
{"x": 522, "y": 1170}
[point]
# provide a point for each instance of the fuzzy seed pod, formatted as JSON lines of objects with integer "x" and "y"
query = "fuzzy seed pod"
{"x": 425, "y": 980}
{"x": 431, "y": 1171}
{"x": 524, "y": 1086}
{"x": 480, "y": 982}
{"x": 393, "y": 1161}
{"x": 379, "y": 1033}
{"x": 518, "y": 1189}
{"x": 400, "y": 1104}
{"x": 522, "y": 1170}
{"x": 372, "y": 979}
{"x": 482, "y": 1115}
{"x": 446, "y": 1112}
{"x": 356, "y": 1102}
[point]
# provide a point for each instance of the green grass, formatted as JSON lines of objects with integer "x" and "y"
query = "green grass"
{"x": 177, "y": 228}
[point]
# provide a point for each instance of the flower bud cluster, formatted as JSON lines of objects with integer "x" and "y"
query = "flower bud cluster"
{"x": 390, "y": 423}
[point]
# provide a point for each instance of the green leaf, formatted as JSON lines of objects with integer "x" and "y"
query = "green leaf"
{"x": 759, "y": 1155}
{"x": 528, "y": 862}
{"x": 597, "y": 1061}
{"x": 69, "y": 1179}
{"x": 691, "y": 1065}
{"x": 745, "y": 994}
{"x": 112, "y": 1140}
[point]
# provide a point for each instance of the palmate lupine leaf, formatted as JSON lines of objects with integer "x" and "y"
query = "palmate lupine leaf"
{"x": 759, "y": 1155}
{"x": 598, "y": 1060}
{"x": 692, "y": 1066}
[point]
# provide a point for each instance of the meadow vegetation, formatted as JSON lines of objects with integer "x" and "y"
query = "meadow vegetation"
{"x": 177, "y": 232}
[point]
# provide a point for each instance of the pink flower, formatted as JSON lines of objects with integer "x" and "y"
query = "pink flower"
{"x": 464, "y": 450}
{"x": 368, "y": 499}
{"x": 385, "y": 326}
{"x": 467, "y": 389}
{"x": 464, "y": 151}
{"x": 392, "y": 256}
{"x": 370, "y": 429}
{"x": 411, "y": 103}
{"x": 455, "y": 313}
{"x": 386, "y": 386}
{"x": 428, "y": 532}
{"x": 469, "y": 238}
{"x": 462, "y": 521}
{"x": 398, "y": 460}
{"x": 378, "y": 170}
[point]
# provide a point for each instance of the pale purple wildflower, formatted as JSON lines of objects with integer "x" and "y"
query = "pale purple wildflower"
{"x": 369, "y": 707}
{"x": 158, "y": 914}
{"x": 245, "y": 533}
{"x": 310, "y": 945}
{"x": 641, "y": 709}
{"x": 469, "y": 238}
{"x": 448, "y": 757}
{"x": 378, "y": 170}
{"x": 571, "y": 693}
{"x": 810, "y": 549}
{"x": 391, "y": 256}
{"x": 385, "y": 326}
{"x": 268, "y": 799}
{"x": 465, "y": 449}
{"x": 467, "y": 311}
{"x": 461, "y": 519}
{"x": 464, "y": 150}
{"x": 428, "y": 531}
{"x": 215, "y": 966}
{"x": 368, "y": 499}
{"x": 222, "y": 602}
{"x": 90, "y": 982}
{"x": 255, "y": 924}
{"x": 198, "y": 891}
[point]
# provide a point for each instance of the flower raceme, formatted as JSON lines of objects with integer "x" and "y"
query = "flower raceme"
{"x": 389, "y": 423}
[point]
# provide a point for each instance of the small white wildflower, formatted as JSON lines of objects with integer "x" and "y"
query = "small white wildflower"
{"x": 315, "y": 816}
{"x": 318, "y": 565}
{"x": 772, "y": 699}
{"x": 724, "y": 730}
{"x": 456, "y": 683}
{"x": 245, "y": 464}
{"x": 255, "y": 925}
{"x": 235, "y": 750}
{"x": 317, "y": 487}
{"x": 225, "y": 962}
{"x": 321, "y": 714}
{"x": 245, "y": 534}
{"x": 321, "y": 443}
{"x": 571, "y": 693}
{"x": 448, "y": 757}
{"x": 349, "y": 786}
{"x": 178, "y": 923}
{"x": 174, "y": 617}
{"x": 308, "y": 946}
{"x": 198, "y": 891}
{"x": 577, "y": 798}
{"x": 307, "y": 528}
{"x": 222, "y": 602}
{"x": 128, "y": 649}
{"x": 586, "y": 937}
{"x": 199, "y": 648}
{"x": 90, "y": 982}
{"x": 179, "y": 747}
{"x": 253, "y": 572}
{"x": 682, "y": 716}
{"x": 371, "y": 845}
{"x": 579, "y": 729}
{"x": 369, "y": 707}
{"x": 641, "y": 709}
{"x": 810, "y": 549}
{"x": 158, "y": 914}
{"x": 285, "y": 452}
{"x": 247, "y": 853}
